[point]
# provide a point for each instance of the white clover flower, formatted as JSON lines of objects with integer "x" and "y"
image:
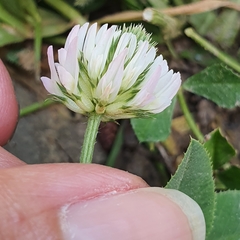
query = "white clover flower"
{"x": 113, "y": 72}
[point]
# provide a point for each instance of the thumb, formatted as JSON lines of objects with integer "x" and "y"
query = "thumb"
{"x": 139, "y": 214}
{"x": 78, "y": 201}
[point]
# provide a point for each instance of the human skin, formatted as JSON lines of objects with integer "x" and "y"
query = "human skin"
{"x": 78, "y": 201}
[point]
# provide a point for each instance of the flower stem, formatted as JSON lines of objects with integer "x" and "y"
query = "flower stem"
{"x": 231, "y": 62}
{"x": 90, "y": 138}
{"x": 116, "y": 146}
{"x": 188, "y": 116}
{"x": 35, "y": 107}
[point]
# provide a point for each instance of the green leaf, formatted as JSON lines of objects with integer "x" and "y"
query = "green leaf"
{"x": 202, "y": 21}
{"x": 216, "y": 83}
{"x": 194, "y": 178}
{"x": 230, "y": 177}
{"x": 155, "y": 128}
{"x": 219, "y": 149}
{"x": 226, "y": 224}
{"x": 52, "y": 23}
{"x": 225, "y": 28}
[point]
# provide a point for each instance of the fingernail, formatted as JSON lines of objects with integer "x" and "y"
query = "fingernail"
{"x": 190, "y": 208}
{"x": 145, "y": 213}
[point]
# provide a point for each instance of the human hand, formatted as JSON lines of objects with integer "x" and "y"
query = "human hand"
{"x": 84, "y": 201}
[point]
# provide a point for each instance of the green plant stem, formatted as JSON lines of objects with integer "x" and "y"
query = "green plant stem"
{"x": 188, "y": 116}
{"x": 116, "y": 146}
{"x": 37, "y": 48}
{"x": 90, "y": 138}
{"x": 35, "y": 107}
{"x": 171, "y": 49}
{"x": 231, "y": 62}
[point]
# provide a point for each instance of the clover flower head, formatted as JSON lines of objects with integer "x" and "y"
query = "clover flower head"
{"x": 113, "y": 72}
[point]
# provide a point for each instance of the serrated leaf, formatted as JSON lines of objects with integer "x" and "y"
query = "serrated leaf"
{"x": 226, "y": 224}
{"x": 216, "y": 83}
{"x": 219, "y": 149}
{"x": 230, "y": 177}
{"x": 155, "y": 128}
{"x": 194, "y": 178}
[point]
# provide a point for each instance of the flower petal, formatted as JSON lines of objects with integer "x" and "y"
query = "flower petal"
{"x": 71, "y": 63}
{"x": 62, "y": 53}
{"x": 81, "y": 36}
{"x": 90, "y": 41}
{"x": 51, "y": 86}
{"x": 100, "y": 53}
{"x": 66, "y": 79}
{"x": 53, "y": 71}
{"x": 110, "y": 83}
{"x": 73, "y": 106}
{"x": 73, "y": 34}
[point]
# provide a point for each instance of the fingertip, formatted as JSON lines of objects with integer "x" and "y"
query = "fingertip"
{"x": 32, "y": 195}
{"x": 8, "y": 106}
{"x": 190, "y": 209}
{"x": 143, "y": 213}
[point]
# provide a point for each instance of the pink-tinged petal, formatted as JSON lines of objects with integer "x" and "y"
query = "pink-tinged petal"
{"x": 62, "y": 53}
{"x": 157, "y": 62}
{"x": 73, "y": 33}
{"x": 71, "y": 63}
{"x": 145, "y": 95}
{"x": 164, "y": 99}
{"x": 51, "y": 64}
{"x": 89, "y": 43}
{"x": 82, "y": 35}
{"x": 66, "y": 79}
{"x": 51, "y": 86}
{"x": 110, "y": 83}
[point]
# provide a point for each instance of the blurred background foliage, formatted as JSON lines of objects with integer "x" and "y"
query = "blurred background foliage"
{"x": 49, "y": 20}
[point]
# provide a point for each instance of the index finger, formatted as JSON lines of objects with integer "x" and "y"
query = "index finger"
{"x": 8, "y": 106}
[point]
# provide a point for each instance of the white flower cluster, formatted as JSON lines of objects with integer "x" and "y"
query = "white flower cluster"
{"x": 111, "y": 71}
